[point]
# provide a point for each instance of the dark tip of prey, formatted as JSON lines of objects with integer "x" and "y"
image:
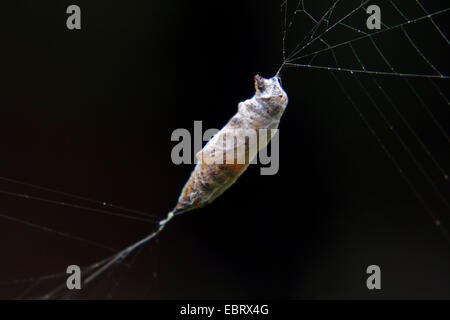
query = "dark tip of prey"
{"x": 259, "y": 83}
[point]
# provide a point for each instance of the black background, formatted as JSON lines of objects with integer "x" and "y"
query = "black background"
{"x": 91, "y": 112}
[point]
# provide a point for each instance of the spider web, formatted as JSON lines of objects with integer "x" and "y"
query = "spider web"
{"x": 363, "y": 64}
{"x": 344, "y": 56}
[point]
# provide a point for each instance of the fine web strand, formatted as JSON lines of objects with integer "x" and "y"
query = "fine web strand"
{"x": 296, "y": 55}
{"x": 290, "y": 61}
{"x": 75, "y": 206}
{"x": 103, "y": 266}
{"x": 77, "y": 197}
{"x": 93, "y": 271}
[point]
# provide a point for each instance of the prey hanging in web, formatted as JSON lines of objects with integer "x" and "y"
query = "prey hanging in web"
{"x": 228, "y": 154}
{"x": 220, "y": 162}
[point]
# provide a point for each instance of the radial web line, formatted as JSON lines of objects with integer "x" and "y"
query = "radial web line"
{"x": 396, "y": 134}
{"x": 93, "y": 271}
{"x": 101, "y": 203}
{"x": 74, "y": 206}
{"x": 51, "y": 276}
{"x": 432, "y": 21}
{"x": 394, "y": 72}
{"x": 391, "y": 158}
{"x": 433, "y": 83}
{"x": 59, "y": 233}
{"x": 106, "y": 264}
{"x": 408, "y": 125}
{"x": 427, "y": 109}
{"x": 290, "y": 61}
{"x": 296, "y": 51}
{"x": 291, "y": 57}
{"x": 361, "y": 37}
{"x": 312, "y": 31}
{"x": 118, "y": 281}
{"x": 300, "y": 65}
